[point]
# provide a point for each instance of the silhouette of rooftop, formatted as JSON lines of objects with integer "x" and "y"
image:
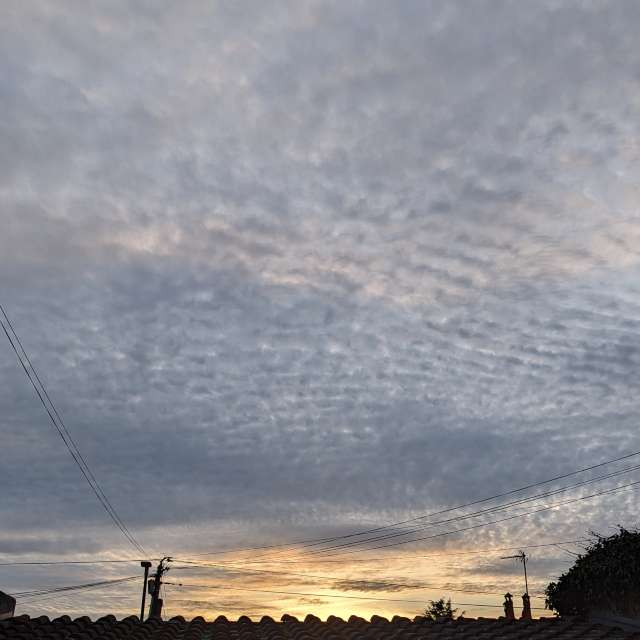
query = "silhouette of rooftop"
{"x": 311, "y": 628}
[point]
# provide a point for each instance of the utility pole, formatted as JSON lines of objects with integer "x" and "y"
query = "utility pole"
{"x": 155, "y": 609}
{"x": 523, "y": 558}
{"x": 146, "y": 564}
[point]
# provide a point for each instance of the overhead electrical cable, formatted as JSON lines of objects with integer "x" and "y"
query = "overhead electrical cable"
{"x": 63, "y": 562}
{"x": 479, "y": 513}
{"x": 74, "y": 587}
{"x": 301, "y": 544}
{"x": 63, "y": 432}
{"x": 73, "y": 590}
{"x": 571, "y": 553}
{"x": 485, "y": 524}
{"x": 231, "y": 563}
{"x": 332, "y": 595}
{"x": 55, "y": 596}
{"x": 412, "y": 557}
{"x": 336, "y": 579}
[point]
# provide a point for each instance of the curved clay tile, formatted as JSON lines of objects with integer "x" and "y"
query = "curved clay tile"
{"x": 108, "y": 628}
{"x": 311, "y": 619}
{"x": 62, "y": 620}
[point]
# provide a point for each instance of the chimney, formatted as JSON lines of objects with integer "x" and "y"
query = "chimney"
{"x": 508, "y": 607}
{"x": 7, "y": 606}
{"x": 156, "y": 608}
{"x": 526, "y": 607}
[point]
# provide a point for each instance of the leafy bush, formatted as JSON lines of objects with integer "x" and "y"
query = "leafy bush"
{"x": 439, "y": 609}
{"x": 605, "y": 578}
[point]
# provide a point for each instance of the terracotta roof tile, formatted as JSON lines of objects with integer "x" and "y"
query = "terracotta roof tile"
{"x": 290, "y": 628}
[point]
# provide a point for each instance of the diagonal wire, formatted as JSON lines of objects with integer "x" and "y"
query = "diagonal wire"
{"x": 335, "y": 579}
{"x": 333, "y": 595}
{"x": 65, "y": 562}
{"x": 65, "y": 436}
{"x": 302, "y": 544}
{"x": 231, "y": 563}
{"x": 73, "y": 587}
{"x": 481, "y": 512}
{"x": 243, "y": 562}
{"x": 485, "y": 524}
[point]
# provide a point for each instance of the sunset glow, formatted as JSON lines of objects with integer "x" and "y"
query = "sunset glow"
{"x": 334, "y": 303}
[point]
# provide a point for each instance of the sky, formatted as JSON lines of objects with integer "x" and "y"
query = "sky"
{"x": 296, "y": 269}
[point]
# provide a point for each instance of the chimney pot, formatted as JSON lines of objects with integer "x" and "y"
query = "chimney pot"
{"x": 508, "y": 607}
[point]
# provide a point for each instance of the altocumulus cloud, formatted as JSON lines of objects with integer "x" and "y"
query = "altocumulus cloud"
{"x": 291, "y": 267}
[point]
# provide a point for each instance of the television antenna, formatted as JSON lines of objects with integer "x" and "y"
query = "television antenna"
{"x": 522, "y": 557}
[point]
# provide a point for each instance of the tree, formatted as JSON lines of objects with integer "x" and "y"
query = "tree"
{"x": 605, "y": 578}
{"x": 439, "y": 609}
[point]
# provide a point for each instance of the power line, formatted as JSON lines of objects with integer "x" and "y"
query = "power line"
{"x": 65, "y": 435}
{"x": 65, "y": 591}
{"x": 65, "y": 562}
{"x": 571, "y": 553}
{"x": 55, "y": 596}
{"x": 478, "y": 513}
{"x": 484, "y": 524}
{"x": 405, "y": 557}
{"x": 335, "y": 579}
{"x": 320, "y": 552}
{"x": 230, "y": 563}
{"x": 74, "y": 587}
{"x": 76, "y": 452}
{"x": 332, "y": 595}
{"x": 475, "y": 514}
{"x": 318, "y": 541}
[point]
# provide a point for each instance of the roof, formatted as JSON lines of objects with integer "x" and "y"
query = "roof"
{"x": 7, "y": 605}
{"x": 289, "y": 628}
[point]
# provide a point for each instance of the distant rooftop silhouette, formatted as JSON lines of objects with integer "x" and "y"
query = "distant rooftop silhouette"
{"x": 312, "y": 628}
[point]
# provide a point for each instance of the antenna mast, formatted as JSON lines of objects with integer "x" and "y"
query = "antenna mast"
{"x": 522, "y": 556}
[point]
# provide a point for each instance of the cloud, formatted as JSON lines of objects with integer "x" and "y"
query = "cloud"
{"x": 372, "y": 585}
{"x": 213, "y": 605}
{"x": 49, "y": 542}
{"x": 294, "y": 270}
{"x": 313, "y": 601}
